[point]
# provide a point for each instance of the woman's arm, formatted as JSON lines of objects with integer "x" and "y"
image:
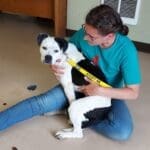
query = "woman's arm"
{"x": 129, "y": 92}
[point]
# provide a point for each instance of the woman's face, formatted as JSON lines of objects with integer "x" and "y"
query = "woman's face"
{"x": 93, "y": 36}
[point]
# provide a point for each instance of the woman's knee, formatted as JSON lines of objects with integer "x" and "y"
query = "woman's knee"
{"x": 114, "y": 130}
{"x": 122, "y": 134}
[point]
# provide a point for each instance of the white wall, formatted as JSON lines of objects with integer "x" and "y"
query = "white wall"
{"x": 77, "y": 10}
{"x": 141, "y": 32}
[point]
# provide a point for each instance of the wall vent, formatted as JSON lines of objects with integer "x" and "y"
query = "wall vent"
{"x": 128, "y": 9}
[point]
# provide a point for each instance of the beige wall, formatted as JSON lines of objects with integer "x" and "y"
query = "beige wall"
{"x": 77, "y": 10}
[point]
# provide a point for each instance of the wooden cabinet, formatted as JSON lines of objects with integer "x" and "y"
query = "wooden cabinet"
{"x": 51, "y": 9}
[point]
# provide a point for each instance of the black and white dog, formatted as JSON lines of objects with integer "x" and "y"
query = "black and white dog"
{"x": 83, "y": 111}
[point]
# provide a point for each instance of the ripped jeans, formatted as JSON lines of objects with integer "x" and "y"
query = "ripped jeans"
{"x": 117, "y": 125}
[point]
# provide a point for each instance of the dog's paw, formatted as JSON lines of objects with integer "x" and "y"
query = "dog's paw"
{"x": 67, "y": 130}
{"x": 68, "y": 133}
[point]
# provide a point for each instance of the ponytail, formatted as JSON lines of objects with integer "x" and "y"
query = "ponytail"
{"x": 124, "y": 30}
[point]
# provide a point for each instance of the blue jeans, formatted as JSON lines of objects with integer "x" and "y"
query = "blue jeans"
{"x": 117, "y": 125}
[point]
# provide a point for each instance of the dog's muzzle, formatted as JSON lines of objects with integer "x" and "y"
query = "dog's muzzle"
{"x": 48, "y": 59}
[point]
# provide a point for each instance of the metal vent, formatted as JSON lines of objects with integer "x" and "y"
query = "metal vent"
{"x": 113, "y": 3}
{"x": 128, "y": 9}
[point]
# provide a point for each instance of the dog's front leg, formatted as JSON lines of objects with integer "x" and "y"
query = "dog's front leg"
{"x": 66, "y": 81}
{"x": 69, "y": 91}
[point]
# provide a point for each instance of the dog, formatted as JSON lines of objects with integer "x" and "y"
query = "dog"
{"x": 84, "y": 110}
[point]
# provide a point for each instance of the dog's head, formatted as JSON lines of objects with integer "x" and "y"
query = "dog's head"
{"x": 51, "y": 48}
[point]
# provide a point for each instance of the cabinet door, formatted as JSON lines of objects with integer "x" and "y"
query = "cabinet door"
{"x": 37, "y": 8}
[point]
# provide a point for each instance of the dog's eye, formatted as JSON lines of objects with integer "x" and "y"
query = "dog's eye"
{"x": 45, "y": 48}
{"x": 56, "y": 51}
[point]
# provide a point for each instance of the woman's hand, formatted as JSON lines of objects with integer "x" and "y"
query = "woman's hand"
{"x": 91, "y": 89}
{"x": 57, "y": 70}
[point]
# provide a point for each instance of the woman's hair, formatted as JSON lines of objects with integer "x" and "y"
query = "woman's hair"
{"x": 106, "y": 20}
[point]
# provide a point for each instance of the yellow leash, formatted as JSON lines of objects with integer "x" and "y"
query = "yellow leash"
{"x": 87, "y": 74}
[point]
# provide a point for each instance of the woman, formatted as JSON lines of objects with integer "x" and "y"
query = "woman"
{"x": 103, "y": 39}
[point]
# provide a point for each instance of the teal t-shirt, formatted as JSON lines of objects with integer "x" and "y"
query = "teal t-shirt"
{"x": 119, "y": 63}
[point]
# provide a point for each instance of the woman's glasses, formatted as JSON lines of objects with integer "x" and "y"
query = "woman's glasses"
{"x": 87, "y": 34}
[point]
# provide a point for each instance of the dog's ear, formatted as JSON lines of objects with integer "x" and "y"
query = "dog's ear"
{"x": 63, "y": 44}
{"x": 41, "y": 37}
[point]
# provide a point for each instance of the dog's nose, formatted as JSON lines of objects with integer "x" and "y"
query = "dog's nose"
{"x": 48, "y": 59}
